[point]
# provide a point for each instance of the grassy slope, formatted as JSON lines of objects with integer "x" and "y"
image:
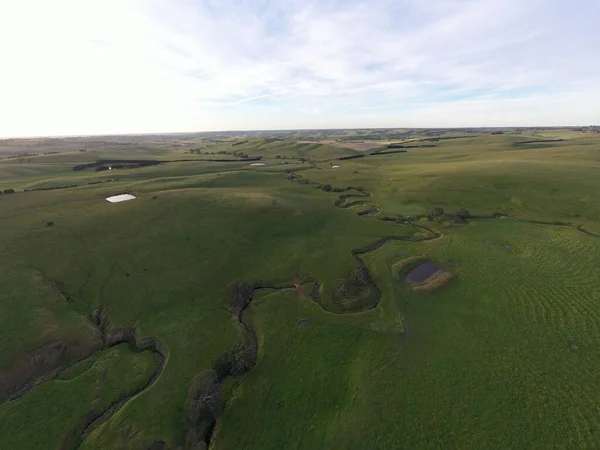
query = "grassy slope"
{"x": 168, "y": 261}
{"x": 44, "y": 417}
{"x": 180, "y": 251}
{"x": 485, "y": 175}
{"x": 487, "y": 363}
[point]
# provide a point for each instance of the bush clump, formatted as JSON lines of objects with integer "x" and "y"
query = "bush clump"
{"x": 237, "y": 361}
{"x": 437, "y": 214}
{"x": 462, "y": 215}
{"x": 357, "y": 288}
{"x": 204, "y": 405}
{"x": 240, "y": 295}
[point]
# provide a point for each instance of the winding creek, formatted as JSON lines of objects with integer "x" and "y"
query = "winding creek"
{"x": 350, "y": 197}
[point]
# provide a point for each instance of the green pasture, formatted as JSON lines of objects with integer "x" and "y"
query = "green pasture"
{"x": 503, "y": 356}
{"x": 49, "y": 413}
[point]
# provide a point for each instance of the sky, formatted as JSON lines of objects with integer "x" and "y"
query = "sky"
{"x": 76, "y": 67}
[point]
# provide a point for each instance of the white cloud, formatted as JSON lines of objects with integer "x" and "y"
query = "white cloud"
{"x": 115, "y": 66}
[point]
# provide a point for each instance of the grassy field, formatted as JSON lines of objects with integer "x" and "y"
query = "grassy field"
{"x": 47, "y": 415}
{"x": 503, "y": 356}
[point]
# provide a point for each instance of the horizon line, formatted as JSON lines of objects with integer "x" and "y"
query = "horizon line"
{"x": 280, "y": 130}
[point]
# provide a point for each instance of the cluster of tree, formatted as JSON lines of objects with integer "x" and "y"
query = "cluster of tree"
{"x": 361, "y": 276}
{"x": 240, "y": 295}
{"x": 205, "y": 402}
{"x": 51, "y": 153}
{"x": 82, "y": 150}
{"x": 239, "y": 143}
{"x": 460, "y": 216}
{"x": 339, "y": 189}
{"x": 463, "y": 214}
{"x": 7, "y": 191}
{"x": 357, "y": 285}
{"x": 52, "y": 188}
{"x": 371, "y": 210}
{"x": 195, "y": 150}
{"x": 280, "y": 157}
{"x": 204, "y": 405}
{"x": 436, "y": 214}
{"x": 497, "y": 132}
{"x": 236, "y": 362}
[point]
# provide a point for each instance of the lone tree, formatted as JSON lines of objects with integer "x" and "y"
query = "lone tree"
{"x": 463, "y": 214}
{"x": 436, "y": 213}
{"x": 326, "y": 187}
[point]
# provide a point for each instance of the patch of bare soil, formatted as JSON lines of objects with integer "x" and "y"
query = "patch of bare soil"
{"x": 434, "y": 282}
{"x": 358, "y": 146}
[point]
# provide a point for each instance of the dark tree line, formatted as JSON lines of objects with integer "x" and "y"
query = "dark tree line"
{"x": 51, "y": 188}
{"x": 101, "y": 181}
{"x": 343, "y": 158}
{"x": 84, "y": 166}
{"x": 410, "y": 146}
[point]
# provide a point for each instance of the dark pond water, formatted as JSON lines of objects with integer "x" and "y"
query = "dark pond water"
{"x": 421, "y": 272}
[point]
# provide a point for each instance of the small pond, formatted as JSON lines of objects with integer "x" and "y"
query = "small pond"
{"x": 420, "y": 273}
